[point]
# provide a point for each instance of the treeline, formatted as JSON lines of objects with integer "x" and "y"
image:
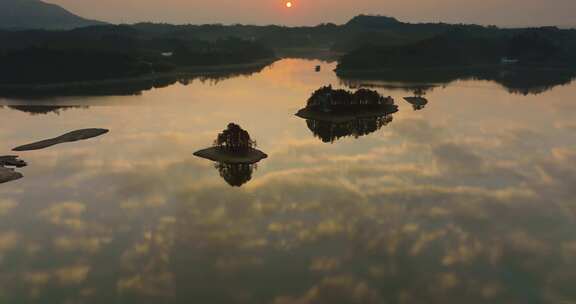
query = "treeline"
{"x": 359, "y": 31}
{"x": 550, "y": 47}
{"x": 335, "y": 98}
{"x": 104, "y": 52}
{"x": 100, "y": 52}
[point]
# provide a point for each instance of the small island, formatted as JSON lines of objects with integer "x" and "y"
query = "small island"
{"x": 417, "y": 102}
{"x": 337, "y": 106}
{"x": 233, "y": 146}
{"x": 335, "y": 113}
{"x": 235, "y": 155}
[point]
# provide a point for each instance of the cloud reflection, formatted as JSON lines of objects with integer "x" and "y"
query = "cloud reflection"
{"x": 447, "y": 205}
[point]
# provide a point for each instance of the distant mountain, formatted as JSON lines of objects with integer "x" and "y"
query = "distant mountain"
{"x": 35, "y": 14}
{"x": 372, "y": 21}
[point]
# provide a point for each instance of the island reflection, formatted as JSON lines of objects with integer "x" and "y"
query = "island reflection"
{"x": 236, "y": 175}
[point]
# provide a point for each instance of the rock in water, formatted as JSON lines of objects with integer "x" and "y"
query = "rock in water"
{"x": 8, "y": 175}
{"x": 220, "y": 155}
{"x": 418, "y": 101}
{"x": 12, "y": 161}
{"x": 68, "y": 137}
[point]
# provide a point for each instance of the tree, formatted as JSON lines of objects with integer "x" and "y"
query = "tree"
{"x": 234, "y": 139}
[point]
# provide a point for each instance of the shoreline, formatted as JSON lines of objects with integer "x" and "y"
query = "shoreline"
{"x": 469, "y": 68}
{"x": 215, "y": 154}
{"x": 335, "y": 117}
{"x": 147, "y": 81}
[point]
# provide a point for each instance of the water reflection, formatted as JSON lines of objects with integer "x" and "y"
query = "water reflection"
{"x": 329, "y": 131}
{"x": 43, "y": 109}
{"x": 236, "y": 175}
{"x": 470, "y": 201}
{"x": 525, "y": 81}
{"x": 126, "y": 87}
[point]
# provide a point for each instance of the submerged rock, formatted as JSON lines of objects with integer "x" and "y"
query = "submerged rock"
{"x": 8, "y": 175}
{"x": 68, "y": 137}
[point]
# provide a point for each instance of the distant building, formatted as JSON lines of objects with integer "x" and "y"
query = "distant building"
{"x": 167, "y": 54}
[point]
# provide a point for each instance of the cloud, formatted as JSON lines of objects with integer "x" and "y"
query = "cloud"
{"x": 8, "y": 241}
{"x": 338, "y": 289}
{"x": 65, "y": 214}
{"x": 457, "y": 159}
{"x": 6, "y": 206}
{"x": 418, "y": 130}
{"x": 71, "y": 275}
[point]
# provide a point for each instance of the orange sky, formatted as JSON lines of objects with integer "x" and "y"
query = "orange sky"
{"x": 311, "y": 12}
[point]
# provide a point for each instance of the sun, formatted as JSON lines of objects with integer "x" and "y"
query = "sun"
{"x": 289, "y": 4}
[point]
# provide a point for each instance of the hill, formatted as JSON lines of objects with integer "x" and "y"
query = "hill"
{"x": 35, "y": 14}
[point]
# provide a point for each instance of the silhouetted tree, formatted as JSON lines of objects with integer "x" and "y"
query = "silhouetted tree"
{"x": 327, "y": 98}
{"x": 532, "y": 46}
{"x": 234, "y": 139}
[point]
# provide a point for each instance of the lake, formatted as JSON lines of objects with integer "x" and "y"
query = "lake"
{"x": 471, "y": 199}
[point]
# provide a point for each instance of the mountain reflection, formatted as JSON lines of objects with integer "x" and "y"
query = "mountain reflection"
{"x": 525, "y": 82}
{"x": 44, "y": 109}
{"x": 128, "y": 86}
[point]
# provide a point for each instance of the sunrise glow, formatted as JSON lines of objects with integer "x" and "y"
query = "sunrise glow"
{"x": 289, "y": 4}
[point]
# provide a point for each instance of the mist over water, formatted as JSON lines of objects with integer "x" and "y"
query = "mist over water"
{"x": 469, "y": 199}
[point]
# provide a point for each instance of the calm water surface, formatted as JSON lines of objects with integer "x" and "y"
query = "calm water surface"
{"x": 469, "y": 200}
